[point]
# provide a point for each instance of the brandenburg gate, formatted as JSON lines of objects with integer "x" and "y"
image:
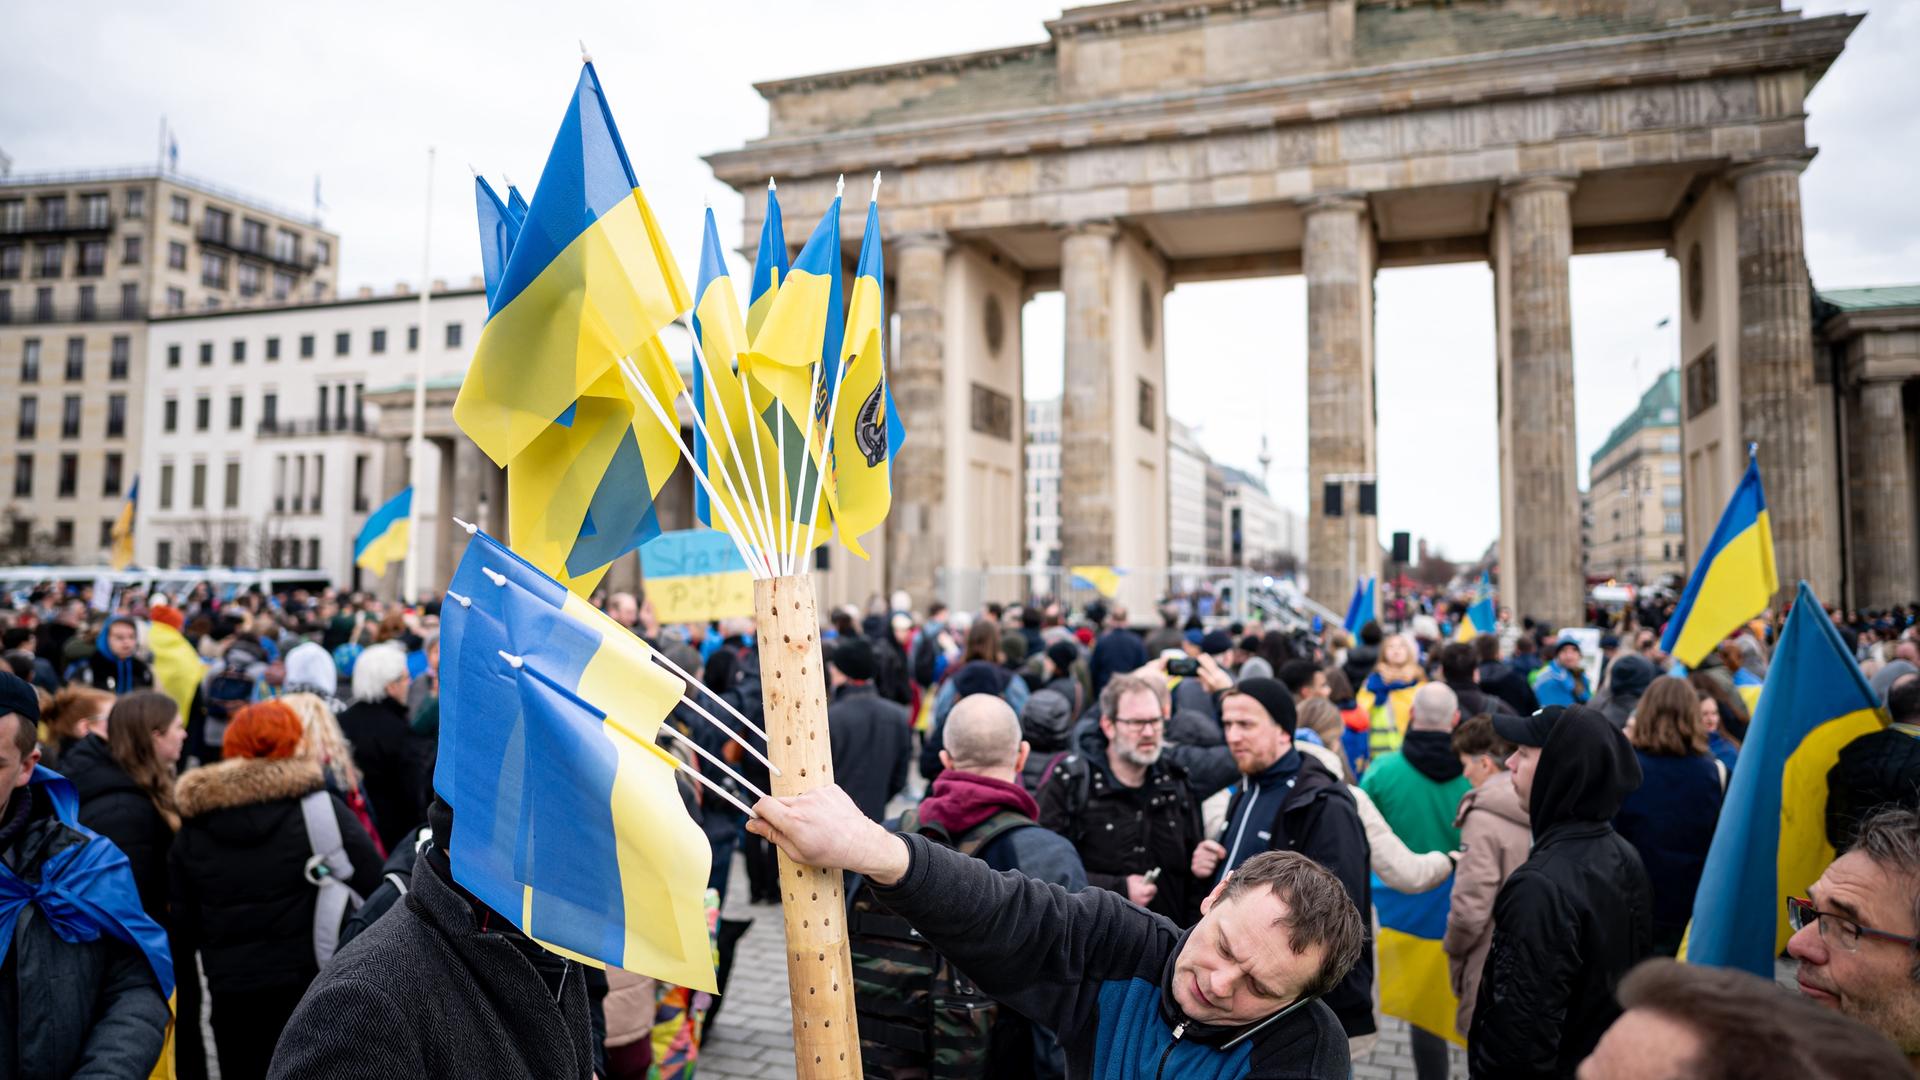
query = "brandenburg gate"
{"x": 1153, "y": 142}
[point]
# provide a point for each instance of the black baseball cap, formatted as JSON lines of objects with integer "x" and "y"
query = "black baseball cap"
{"x": 1530, "y": 730}
{"x": 17, "y": 696}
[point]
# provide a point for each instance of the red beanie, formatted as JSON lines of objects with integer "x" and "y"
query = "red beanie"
{"x": 266, "y": 729}
{"x": 172, "y": 616}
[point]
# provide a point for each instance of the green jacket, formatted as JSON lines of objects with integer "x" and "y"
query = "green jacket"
{"x": 1418, "y": 807}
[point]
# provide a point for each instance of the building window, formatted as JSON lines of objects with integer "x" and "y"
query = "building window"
{"x": 322, "y": 252}
{"x": 213, "y": 269}
{"x": 202, "y": 413}
{"x": 93, "y": 258}
{"x": 130, "y": 300}
{"x": 116, "y": 416}
{"x": 63, "y": 532}
{"x": 236, "y": 411}
{"x": 378, "y": 342}
{"x": 269, "y": 410}
{"x": 43, "y": 303}
{"x": 10, "y": 262}
{"x": 196, "y": 553}
{"x": 286, "y": 246}
{"x": 170, "y": 415}
{"x": 230, "y": 498}
{"x": 229, "y": 553}
{"x": 1670, "y": 467}
{"x": 121, "y": 357}
{"x": 163, "y": 554}
{"x": 253, "y": 235}
{"x": 360, "y": 483}
{"x": 239, "y": 350}
{"x": 76, "y": 359}
{"x": 197, "y": 495}
{"x": 176, "y": 299}
{"x": 69, "y": 475}
{"x": 306, "y": 346}
{"x": 1703, "y": 383}
{"x": 273, "y": 348}
{"x": 95, "y": 211}
{"x": 29, "y": 417}
{"x": 106, "y": 532}
{"x": 214, "y": 224}
{"x": 181, "y": 210}
{"x": 1674, "y": 524}
{"x": 319, "y": 482}
{"x": 249, "y": 279}
{"x": 53, "y": 260}
{"x": 342, "y": 341}
{"x": 206, "y": 354}
{"x": 70, "y": 417}
{"x": 176, "y": 255}
{"x": 173, "y": 356}
{"x": 13, "y": 214}
{"x": 6, "y": 305}
{"x": 166, "y": 486}
{"x": 53, "y": 211}
{"x": 453, "y": 335}
{"x": 30, "y": 360}
{"x": 130, "y": 251}
{"x": 88, "y": 309}
{"x": 313, "y": 552}
{"x": 136, "y": 204}
{"x": 282, "y": 284}
{"x": 110, "y": 475}
{"x": 23, "y": 476}
{"x": 413, "y": 339}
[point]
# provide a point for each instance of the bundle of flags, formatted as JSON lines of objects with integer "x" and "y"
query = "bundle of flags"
{"x": 1364, "y": 606}
{"x": 572, "y": 391}
{"x": 569, "y": 821}
{"x": 1733, "y": 580}
{"x": 1771, "y": 841}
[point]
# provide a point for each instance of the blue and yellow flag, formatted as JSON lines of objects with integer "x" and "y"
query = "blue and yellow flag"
{"x": 516, "y": 207}
{"x": 570, "y": 821}
{"x": 1104, "y": 580}
{"x": 731, "y": 423}
{"x": 1362, "y": 608}
{"x": 1771, "y": 842}
{"x": 769, "y": 264}
{"x": 1733, "y": 580}
{"x": 384, "y": 537}
{"x": 621, "y": 515}
{"x": 123, "y": 528}
{"x": 177, "y": 667}
{"x": 866, "y": 429}
{"x": 1480, "y": 616}
{"x": 499, "y": 228}
{"x": 1414, "y": 981}
{"x": 589, "y": 280}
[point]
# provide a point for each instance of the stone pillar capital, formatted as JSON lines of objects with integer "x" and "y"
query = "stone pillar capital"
{"x": 1548, "y": 182}
{"x": 924, "y": 238}
{"x": 1104, "y": 227}
{"x": 1346, "y": 202}
{"x": 1794, "y": 163}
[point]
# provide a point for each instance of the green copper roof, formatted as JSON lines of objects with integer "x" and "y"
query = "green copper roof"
{"x": 1879, "y": 296}
{"x": 1659, "y": 407}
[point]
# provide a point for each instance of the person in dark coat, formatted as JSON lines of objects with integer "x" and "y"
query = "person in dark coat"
{"x": 1046, "y": 722}
{"x": 113, "y": 667}
{"x": 1577, "y": 915}
{"x": 376, "y": 725}
{"x": 1878, "y": 769}
{"x": 1629, "y": 677}
{"x": 241, "y": 896}
{"x": 1287, "y": 802}
{"x": 889, "y": 661}
{"x": 872, "y": 737}
{"x": 1364, "y": 655}
{"x": 77, "y": 1000}
{"x": 1503, "y": 680}
{"x": 1457, "y": 669}
{"x": 1127, "y": 811}
{"x": 125, "y": 783}
{"x": 1118, "y": 651}
{"x": 1669, "y": 819}
{"x": 441, "y": 986}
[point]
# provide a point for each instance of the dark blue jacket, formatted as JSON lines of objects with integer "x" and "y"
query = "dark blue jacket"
{"x": 1669, "y": 820}
{"x": 1095, "y": 969}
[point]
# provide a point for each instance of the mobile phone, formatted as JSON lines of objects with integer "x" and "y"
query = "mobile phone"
{"x": 1183, "y": 665}
{"x": 1151, "y": 876}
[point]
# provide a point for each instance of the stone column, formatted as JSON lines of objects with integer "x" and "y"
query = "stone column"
{"x": 1776, "y": 368}
{"x": 470, "y": 472}
{"x": 1545, "y": 580}
{"x": 1339, "y": 391}
{"x": 918, "y": 523}
{"x": 1086, "y": 405}
{"x": 1882, "y": 496}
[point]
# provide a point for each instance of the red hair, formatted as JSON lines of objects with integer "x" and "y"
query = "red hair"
{"x": 265, "y": 729}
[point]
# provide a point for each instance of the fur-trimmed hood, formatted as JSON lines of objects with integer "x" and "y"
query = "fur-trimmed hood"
{"x": 244, "y": 782}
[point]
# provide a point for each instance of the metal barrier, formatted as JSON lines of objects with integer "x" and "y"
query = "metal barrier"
{"x": 1218, "y": 594}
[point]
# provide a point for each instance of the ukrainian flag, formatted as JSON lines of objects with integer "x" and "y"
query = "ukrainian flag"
{"x": 621, "y": 515}
{"x": 769, "y": 265}
{"x": 1102, "y": 579}
{"x": 123, "y": 528}
{"x": 866, "y": 430}
{"x": 571, "y": 825}
{"x": 177, "y": 667}
{"x": 516, "y": 207}
{"x": 1414, "y": 982}
{"x": 499, "y": 228}
{"x": 722, "y": 401}
{"x": 589, "y": 280}
{"x": 384, "y": 537}
{"x": 1361, "y": 609}
{"x": 1771, "y": 842}
{"x": 1480, "y": 617}
{"x": 1733, "y": 580}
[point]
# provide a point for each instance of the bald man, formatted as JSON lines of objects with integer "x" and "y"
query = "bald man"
{"x": 1418, "y": 790}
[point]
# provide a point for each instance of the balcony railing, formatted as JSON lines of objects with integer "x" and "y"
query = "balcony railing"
{"x": 35, "y": 314}
{"x": 279, "y": 428}
{"x": 44, "y": 224}
{"x": 219, "y": 238}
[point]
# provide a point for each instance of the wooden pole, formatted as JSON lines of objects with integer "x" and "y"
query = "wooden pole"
{"x": 826, "y": 1038}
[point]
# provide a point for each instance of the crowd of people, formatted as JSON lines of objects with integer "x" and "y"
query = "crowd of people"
{"x": 1237, "y": 846}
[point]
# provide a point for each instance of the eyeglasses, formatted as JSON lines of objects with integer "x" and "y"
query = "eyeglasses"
{"x": 1141, "y": 725}
{"x": 1839, "y": 929}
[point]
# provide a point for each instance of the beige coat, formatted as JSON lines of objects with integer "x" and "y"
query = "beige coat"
{"x": 1494, "y": 841}
{"x": 1399, "y": 866}
{"x": 629, "y": 1006}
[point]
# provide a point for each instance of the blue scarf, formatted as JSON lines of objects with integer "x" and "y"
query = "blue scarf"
{"x": 85, "y": 890}
{"x": 122, "y": 666}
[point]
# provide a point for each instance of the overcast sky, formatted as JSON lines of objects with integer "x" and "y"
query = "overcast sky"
{"x": 354, "y": 93}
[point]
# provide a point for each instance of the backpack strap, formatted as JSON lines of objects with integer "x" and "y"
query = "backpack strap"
{"x": 975, "y": 840}
{"x": 328, "y": 870}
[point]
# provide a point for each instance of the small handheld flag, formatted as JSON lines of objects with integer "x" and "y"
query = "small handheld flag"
{"x": 385, "y": 536}
{"x": 1362, "y": 608}
{"x": 1733, "y": 580}
{"x": 123, "y": 528}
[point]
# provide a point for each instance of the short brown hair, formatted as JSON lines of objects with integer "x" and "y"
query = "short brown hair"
{"x": 1476, "y": 736}
{"x": 1121, "y": 685}
{"x": 1722, "y": 1007}
{"x": 26, "y": 735}
{"x": 1319, "y": 911}
{"x": 1891, "y": 837}
{"x": 1666, "y": 721}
